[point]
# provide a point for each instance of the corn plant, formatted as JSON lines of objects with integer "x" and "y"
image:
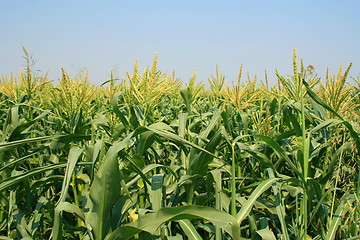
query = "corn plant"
{"x": 148, "y": 157}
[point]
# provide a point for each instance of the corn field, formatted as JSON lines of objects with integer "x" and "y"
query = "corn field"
{"x": 149, "y": 157}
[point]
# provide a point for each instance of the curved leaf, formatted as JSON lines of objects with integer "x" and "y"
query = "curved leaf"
{"x": 151, "y": 222}
{"x": 246, "y": 208}
{"x": 189, "y": 229}
{"x": 105, "y": 190}
{"x": 9, "y": 182}
{"x": 282, "y": 153}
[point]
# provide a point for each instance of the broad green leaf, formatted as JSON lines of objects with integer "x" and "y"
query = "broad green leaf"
{"x": 22, "y": 226}
{"x": 105, "y": 190}
{"x": 266, "y": 234}
{"x": 11, "y": 181}
{"x": 61, "y": 141}
{"x": 280, "y": 208}
{"x": 19, "y": 160}
{"x": 246, "y": 208}
{"x": 341, "y": 210}
{"x": 156, "y": 192}
{"x": 330, "y": 168}
{"x": 178, "y": 139}
{"x": 185, "y": 94}
{"x": 183, "y": 117}
{"x": 176, "y": 237}
{"x": 189, "y": 230}
{"x": 57, "y": 233}
{"x": 199, "y": 164}
{"x": 4, "y": 146}
{"x": 258, "y": 155}
{"x": 142, "y": 173}
{"x": 146, "y": 140}
{"x": 17, "y": 132}
{"x": 211, "y": 125}
{"x": 151, "y": 222}
{"x": 326, "y": 123}
{"x": 281, "y": 153}
{"x": 318, "y": 100}
{"x": 288, "y": 115}
{"x": 73, "y": 158}
{"x": 119, "y": 114}
{"x": 321, "y": 202}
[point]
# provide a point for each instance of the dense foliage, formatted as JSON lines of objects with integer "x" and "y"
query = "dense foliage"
{"x": 148, "y": 157}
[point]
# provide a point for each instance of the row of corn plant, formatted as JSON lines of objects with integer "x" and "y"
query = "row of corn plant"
{"x": 148, "y": 157}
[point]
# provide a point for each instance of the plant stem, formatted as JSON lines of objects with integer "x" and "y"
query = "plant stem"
{"x": 233, "y": 183}
{"x": 306, "y": 146}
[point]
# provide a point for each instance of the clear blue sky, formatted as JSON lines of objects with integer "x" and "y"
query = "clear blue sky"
{"x": 105, "y": 35}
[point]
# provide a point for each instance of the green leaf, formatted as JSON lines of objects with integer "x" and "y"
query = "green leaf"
{"x": 5, "y": 146}
{"x": 151, "y": 222}
{"x": 19, "y": 159}
{"x": 73, "y": 158}
{"x": 17, "y": 132}
{"x": 281, "y": 153}
{"x": 146, "y": 140}
{"x": 177, "y": 138}
{"x": 185, "y": 94}
{"x": 60, "y": 141}
{"x": 280, "y": 208}
{"x": 11, "y": 181}
{"x": 266, "y": 234}
{"x": 57, "y": 226}
{"x": 199, "y": 164}
{"x": 105, "y": 190}
{"x": 246, "y": 208}
{"x": 341, "y": 210}
{"x": 176, "y": 237}
{"x": 183, "y": 117}
{"x": 189, "y": 230}
{"x": 318, "y": 100}
{"x": 156, "y": 192}
{"x": 289, "y": 115}
{"x": 326, "y": 123}
{"x": 211, "y": 125}
{"x": 119, "y": 114}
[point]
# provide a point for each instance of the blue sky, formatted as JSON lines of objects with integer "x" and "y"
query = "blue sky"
{"x": 106, "y": 35}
